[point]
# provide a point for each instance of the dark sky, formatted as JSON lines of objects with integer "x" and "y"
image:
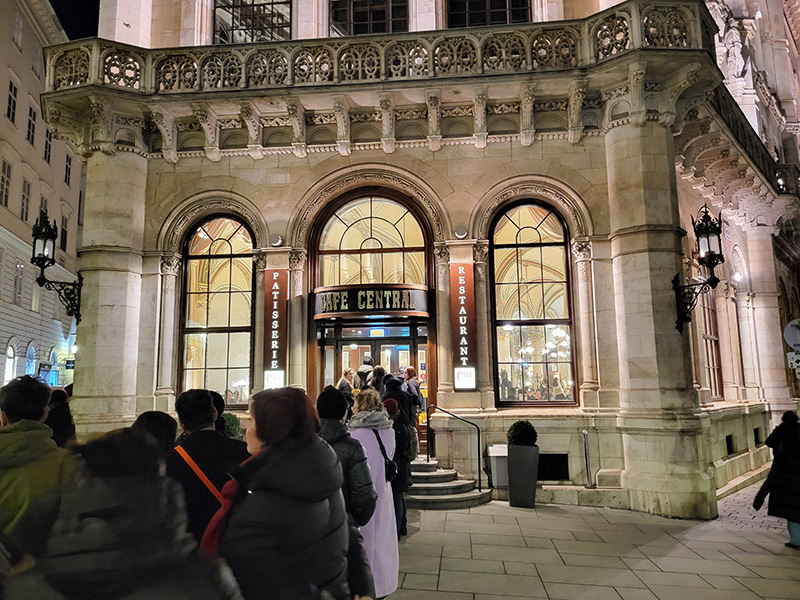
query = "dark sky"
{"x": 78, "y": 17}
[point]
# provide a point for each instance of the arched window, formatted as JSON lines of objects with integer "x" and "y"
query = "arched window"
{"x": 372, "y": 240}
{"x": 360, "y": 17}
{"x": 217, "y": 330}
{"x": 248, "y": 21}
{"x": 30, "y": 361}
{"x": 11, "y": 365}
{"x": 531, "y": 299}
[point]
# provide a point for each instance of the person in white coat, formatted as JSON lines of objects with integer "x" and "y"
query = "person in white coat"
{"x": 380, "y": 533}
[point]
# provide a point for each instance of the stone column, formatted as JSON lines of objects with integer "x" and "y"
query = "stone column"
{"x": 664, "y": 434}
{"x": 297, "y": 354}
{"x": 444, "y": 343}
{"x": 111, "y": 264}
{"x": 166, "y": 384}
{"x": 752, "y": 387}
{"x": 766, "y": 321}
{"x": 149, "y": 319}
{"x": 483, "y": 317}
{"x": 259, "y": 264}
{"x": 728, "y": 340}
{"x": 589, "y": 386}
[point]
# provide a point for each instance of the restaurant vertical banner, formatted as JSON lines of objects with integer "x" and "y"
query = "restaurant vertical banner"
{"x": 276, "y": 300}
{"x": 463, "y": 325}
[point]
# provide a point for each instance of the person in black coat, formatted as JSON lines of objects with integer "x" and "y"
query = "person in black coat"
{"x": 402, "y": 483}
{"x": 360, "y": 496}
{"x": 59, "y": 418}
{"x": 287, "y": 532}
{"x": 212, "y": 452}
{"x": 394, "y": 389}
{"x": 783, "y": 482}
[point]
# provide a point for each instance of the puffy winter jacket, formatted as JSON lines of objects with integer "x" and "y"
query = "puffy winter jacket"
{"x": 287, "y": 535}
{"x": 784, "y": 477}
{"x": 394, "y": 389}
{"x": 33, "y": 475}
{"x": 359, "y": 493}
{"x": 363, "y": 377}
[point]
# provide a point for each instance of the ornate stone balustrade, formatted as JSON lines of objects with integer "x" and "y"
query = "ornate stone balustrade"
{"x": 534, "y": 47}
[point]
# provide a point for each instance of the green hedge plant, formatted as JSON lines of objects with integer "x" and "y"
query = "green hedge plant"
{"x": 522, "y": 433}
{"x": 233, "y": 426}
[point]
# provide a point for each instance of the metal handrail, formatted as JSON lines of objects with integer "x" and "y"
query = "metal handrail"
{"x": 428, "y": 411}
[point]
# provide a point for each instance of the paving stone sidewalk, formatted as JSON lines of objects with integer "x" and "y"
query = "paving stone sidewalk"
{"x": 495, "y": 552}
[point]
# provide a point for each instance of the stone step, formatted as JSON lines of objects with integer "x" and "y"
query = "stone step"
{"x": 459, "y": 486}
{"x": 438, "y": 476}
{"x": 422, "y": 466}
{"x": 448, "y": 502}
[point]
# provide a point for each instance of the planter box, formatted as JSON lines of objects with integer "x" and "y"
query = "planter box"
{"x": 523, "y": 472}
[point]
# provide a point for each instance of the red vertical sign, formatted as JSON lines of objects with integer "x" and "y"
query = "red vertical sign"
{"x": 276, "y": 298}
{"x": 463, "y": 325}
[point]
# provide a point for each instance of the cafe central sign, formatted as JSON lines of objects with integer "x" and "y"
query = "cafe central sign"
{"x": 384, "y": 300}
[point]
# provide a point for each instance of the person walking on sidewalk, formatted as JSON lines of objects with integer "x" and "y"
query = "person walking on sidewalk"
{"x": 783, "y": 482}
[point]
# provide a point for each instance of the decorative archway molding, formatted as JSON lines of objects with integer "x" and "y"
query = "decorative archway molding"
{"x": 561, "y": 196}
{"x": 368, "y": 175}
{"x": 204, "y": 204}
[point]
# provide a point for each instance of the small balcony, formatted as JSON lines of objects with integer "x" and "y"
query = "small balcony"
{"x": 409, "y": 57}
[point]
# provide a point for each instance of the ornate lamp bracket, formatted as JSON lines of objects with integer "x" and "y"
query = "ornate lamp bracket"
{"x": 69, "y": 292}
{"x": 686, "y": 297}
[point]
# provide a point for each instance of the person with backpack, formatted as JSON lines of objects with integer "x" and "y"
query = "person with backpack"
{"x": 403, "y": 455}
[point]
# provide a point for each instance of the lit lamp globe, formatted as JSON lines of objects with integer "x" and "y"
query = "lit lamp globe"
{"x": 708, "y": 231}
{"x": 44, "y": 243}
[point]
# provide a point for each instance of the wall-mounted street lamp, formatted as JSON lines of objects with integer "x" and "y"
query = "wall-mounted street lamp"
{"x": 44, "y": 256}
{"x": 707, "y": 230}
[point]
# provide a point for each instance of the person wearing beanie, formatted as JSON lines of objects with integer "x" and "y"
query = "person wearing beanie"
{"x": 401, "y": 483}
{"x": 364, "y": 373}
{"x": 359, "y": 494}
{"x": 394, "y": 389}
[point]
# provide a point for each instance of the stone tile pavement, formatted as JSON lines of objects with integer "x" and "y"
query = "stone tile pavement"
{"x": 495, "y": 552}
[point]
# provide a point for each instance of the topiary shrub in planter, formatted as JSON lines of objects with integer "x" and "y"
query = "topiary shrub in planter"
{"x": 233, "y": 426}
{"x": 523, "y": 464}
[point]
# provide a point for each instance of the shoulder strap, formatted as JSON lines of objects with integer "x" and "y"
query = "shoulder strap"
{"x": 380, "y": 443}
{"x": 199, "y": 472}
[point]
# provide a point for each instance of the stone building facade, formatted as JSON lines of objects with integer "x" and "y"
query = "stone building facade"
{"x": 499, "y": 200}
{"x": 37, "y": 171}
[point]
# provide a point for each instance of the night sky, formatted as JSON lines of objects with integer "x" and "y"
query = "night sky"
{"x": 78, "y": 17}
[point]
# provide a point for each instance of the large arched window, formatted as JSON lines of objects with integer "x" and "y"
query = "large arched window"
{"x": 218, "y": 309}
{"x": 30, "y": 361}
{"x": 372, "y": 240}
{"x": 532, "y": 316}
{"x": 11, "y": 365}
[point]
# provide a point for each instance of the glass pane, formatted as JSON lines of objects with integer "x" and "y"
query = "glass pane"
{"x": 507, "y": 343}
{"x": 505, "y": 265}
{"x": 530, "y": 215}
{"x": 553, "y": 265}
{"x": 530, "y": 265}
{"x": 217, "y": 353}
{"x": 353, "y": 211}
{"x": 506, "y": 301}
{"x": 220, "y": 247}
{"x": 199, "y": 243}
{"x": 217, "y": 380}
{"x": 393, "y": 267}
{"x": 194, "y": 379}
{"x": 371, "y": 243}
{"x": 372, "y": 268}
{"x": 218, "y": 309}
{"x": 551, "y": 230}
{"x": 528, "y": 235}
{"x": 239, "y": 350}
{"x": 558, "y": 342}
{"x": 242, "y": 273}
{"x": 329, "y": 366}
{"x": 535, "y": 382}
{"x": 332, "y": 235}
{"x": 194, "y": 351}
{"x": 403, "y": 359}
{"x": 411, "y": 231}
{"x": 505, "y": 388}
{"x": 355, "y": 235}
{"x": 220, "y": 275}
{"x": 350, "y": 270}
{"x": 329, "y": 269}
{"x": 240, "y": 309}
{"x": 241, "y": 243}
{"x": 505, "y": 232}
{"x": 197, "y": 275}
{"x": 386, "y": 355}
{"x": 555, "y": 301}
{"x": 414, "y": 267}
{"x": 516, "y": 393}
{"x": 387, "y": 233}
{"x": 561, "y": 384}
{"x": 196, "y": 310}
{"x": 533, "y": 340}
{"x": 530, "y": 301}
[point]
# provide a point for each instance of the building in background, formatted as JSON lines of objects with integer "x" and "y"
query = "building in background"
{"x": 37, "y": 172}
{"x": 498, "y": 194}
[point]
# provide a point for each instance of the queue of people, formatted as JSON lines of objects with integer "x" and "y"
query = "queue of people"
{"x": 309, "y": 506}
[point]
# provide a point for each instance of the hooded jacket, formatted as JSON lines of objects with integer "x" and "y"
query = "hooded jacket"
{"x": 784, "y": 476}
{"x": 394, "y": 389}
{"x": 363, "y": 376}
{"x": 287, "y": 535}
{"x": 123, "y": 538}
{"x": 33, "y": 474}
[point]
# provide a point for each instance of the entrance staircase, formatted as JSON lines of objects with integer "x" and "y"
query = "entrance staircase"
{"x": 441, "y": 489}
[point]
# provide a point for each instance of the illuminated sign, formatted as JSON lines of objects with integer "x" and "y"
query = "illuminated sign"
{"x": 276, "y": 297}
{"x": 377, "y": 332}
{"x": 274, "y": 379}
{"x": 408, "y": 300}
{"x": 463, "y": 325}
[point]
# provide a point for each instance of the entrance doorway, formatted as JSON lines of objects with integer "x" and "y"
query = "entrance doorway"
{"x": 394, "y": 346}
